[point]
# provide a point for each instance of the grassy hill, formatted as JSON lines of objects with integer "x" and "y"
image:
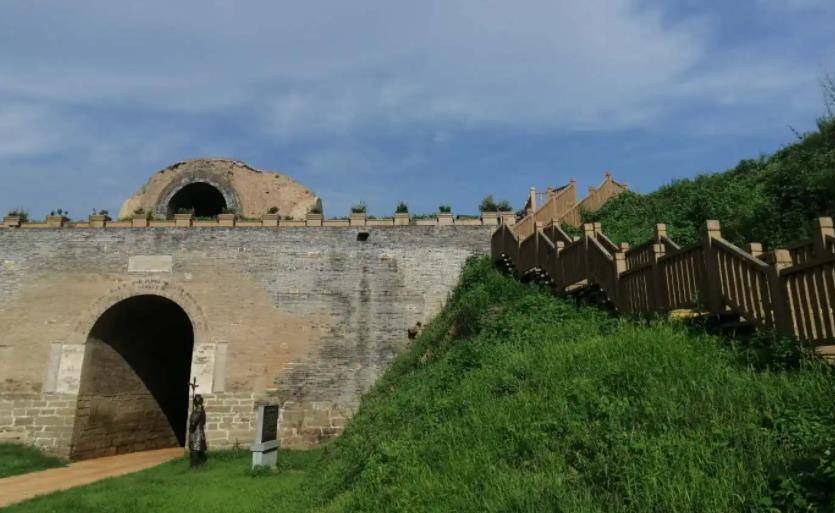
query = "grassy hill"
{"x": 770, "y": 200}
{"x": 514, "y": 400}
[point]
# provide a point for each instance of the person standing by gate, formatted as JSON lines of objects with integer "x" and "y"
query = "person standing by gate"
{"x": 197, "y": 433}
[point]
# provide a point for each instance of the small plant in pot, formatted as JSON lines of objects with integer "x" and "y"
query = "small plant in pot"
{"x": 58, "y": 217}
{"x": 358, "y": 214}
{"x": 16, "y": 217}
{"x": 271, "y": 217}
{"x": 314, "y": 215}
{"x": 401, "y": 213}
{"x": 226, "y": 217}
{"x": 99, "y": 218}
{"x": 444, "y": 214}
{"x": 183, "y": 217}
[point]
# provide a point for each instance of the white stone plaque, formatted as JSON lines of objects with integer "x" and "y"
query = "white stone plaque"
{"x": 151, "y": 264}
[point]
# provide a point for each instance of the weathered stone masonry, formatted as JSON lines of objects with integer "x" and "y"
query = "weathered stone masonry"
{"x": 305, "y": 317}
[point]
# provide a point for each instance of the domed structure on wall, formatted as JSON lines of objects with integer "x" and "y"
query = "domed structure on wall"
{"x": 212, "y": 186}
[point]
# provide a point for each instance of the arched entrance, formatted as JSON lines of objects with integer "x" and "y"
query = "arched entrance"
{"x": 134, "y": 381}
{"x": 203, "y": 198}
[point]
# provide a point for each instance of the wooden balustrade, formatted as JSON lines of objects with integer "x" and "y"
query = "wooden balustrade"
{"x": 802, "y": 253}
{"x": 743, "y": 283}
{"x": 810, "y": 292}
{"x": 683, "y": 275}
{"x": 791, "y": 290}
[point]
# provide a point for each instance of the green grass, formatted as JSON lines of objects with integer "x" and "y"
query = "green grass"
{"x": 225, "y": 484}
{"x": 513, "y": 400}
{"x": 20, "y": 459}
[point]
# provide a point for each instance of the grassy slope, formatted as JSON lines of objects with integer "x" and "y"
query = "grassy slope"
{"x": 514, "y": 400}
{"x": 19, "y": 459}
{"x": 770, "y": 200}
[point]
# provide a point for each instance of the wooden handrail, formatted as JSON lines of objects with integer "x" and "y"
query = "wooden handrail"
{"x": 777, "y": 289}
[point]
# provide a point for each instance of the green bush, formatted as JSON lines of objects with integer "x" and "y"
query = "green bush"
{"x": 771, "y": 200}
{"x": 401, "y": 208}
{"x": 488, "y": 204}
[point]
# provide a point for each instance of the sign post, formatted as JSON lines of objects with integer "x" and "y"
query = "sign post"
{"x": 265, "y": 447}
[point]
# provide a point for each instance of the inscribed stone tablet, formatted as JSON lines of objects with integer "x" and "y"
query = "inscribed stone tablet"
{"x": 269, "y": 427}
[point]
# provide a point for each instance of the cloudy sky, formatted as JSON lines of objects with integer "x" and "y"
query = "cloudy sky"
{"x": 428, "y": 102}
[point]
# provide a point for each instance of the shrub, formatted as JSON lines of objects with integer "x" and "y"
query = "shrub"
{"x": 22, "y": 214}
{"x": 401, "y": 208}
{"x": 60, "y": 213}
{"x": 488, "y": 204}
{"x": 445, "y": 209}
{"x": 103, "y": 212}
{"x": 359, "y": 208}
{"x": 273, "y": 210}
{"x": 504, "y": 206}
{"x": 316, "y": 209}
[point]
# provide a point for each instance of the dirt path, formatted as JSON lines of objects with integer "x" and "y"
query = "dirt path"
{"x": 18, "y": 488}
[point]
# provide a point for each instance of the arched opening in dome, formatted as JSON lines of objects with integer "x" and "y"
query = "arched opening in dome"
{"x": 202, "y": 198}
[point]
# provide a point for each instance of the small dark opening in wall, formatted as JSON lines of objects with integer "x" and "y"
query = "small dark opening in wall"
{"x": 362, "y": 236}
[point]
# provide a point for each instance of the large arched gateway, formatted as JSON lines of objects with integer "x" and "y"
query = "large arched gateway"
{"x": 134, "y": 381}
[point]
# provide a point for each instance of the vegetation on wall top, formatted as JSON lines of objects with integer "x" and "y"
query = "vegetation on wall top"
{"x": 488, "y": 204}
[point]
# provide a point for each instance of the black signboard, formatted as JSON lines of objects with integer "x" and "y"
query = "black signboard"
{"x": 269, "y": 423}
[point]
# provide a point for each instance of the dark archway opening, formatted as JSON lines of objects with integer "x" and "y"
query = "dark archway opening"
{"x": 204, "y": 199}
{"x": 134, "y": 381}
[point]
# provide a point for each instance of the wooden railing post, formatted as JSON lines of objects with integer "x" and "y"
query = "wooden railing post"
{"x": 588, "y": 233}
{"x": 712, "y": 286}
{"x": 658, "y": 290}
{"x": 537, "y": 232}
{"x": 823, "y": 229}
{"x": 532, "y": 201}
{"x": 779, "y": 298}
{"x": 619, "y": 260}
{"x": 755, "y": 249}
{"x": 660, "y": 232}
{"x": 557, "y": 273}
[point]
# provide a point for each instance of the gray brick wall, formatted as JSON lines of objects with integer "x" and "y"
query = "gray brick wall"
{"x": 308, "y": 317}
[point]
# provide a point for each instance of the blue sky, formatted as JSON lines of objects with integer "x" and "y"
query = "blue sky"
{"x": 428, "y": 102}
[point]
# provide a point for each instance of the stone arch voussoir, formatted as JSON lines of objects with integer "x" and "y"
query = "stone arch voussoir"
{"x": 139, "y": 287}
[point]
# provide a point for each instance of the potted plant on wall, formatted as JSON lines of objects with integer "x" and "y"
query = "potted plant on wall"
{"x": 183, "y": 218}
{"x": 314, "y": 215}
{"x": 359, "y": 214}
{"x": 226, "y": 217}
{"x": 140, "y": 218}
{"x": 271, "y": 217}
{"x": 99, "y": 219}
{"x": 57, "y": 218}
{"x": 491, "y": 210}
{"x": 444, "y": 214}
{"x": 15, "y": 218}
{"x": 401, "y": 214}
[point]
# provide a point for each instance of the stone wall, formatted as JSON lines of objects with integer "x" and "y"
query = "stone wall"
{"x": 308, "y": 318}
